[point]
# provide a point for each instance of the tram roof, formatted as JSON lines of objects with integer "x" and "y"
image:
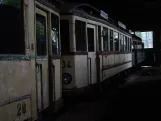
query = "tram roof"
{"x": 48, "y": 4}
{"x": 83, "y": 9}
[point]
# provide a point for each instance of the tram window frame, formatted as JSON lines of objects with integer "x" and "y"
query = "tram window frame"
{"x": 105, "y": 39}
{"x": 99, "y": 39}
{"x": 121, "y": 43}
{"x": 81, "y": 45}
{"x": 111, "y": 40}
{"x": 133, "y": 46}
{"x": 91, "y": 44}
{"x": 130, "y": 45}
{"x": 117, "y": 41}
{"x": 126, "y": 44}
{"x": 41, "y": 46}
{"x": 55, "y": 27}
{"x": 16, "y": 45}
{"x": 65, "y": 38}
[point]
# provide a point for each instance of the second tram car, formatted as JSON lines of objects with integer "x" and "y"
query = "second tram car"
{"x": 93, "y": 47}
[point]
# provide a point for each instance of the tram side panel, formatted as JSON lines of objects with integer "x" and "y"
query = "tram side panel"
{"x": 81, "y": 71}
{"x": 57, "y": 79}
{"x": 115, "y": 63}
{"x": 57, "y": 94}
{"x": 68, "y": 72}
{"x": 17, "y": 77}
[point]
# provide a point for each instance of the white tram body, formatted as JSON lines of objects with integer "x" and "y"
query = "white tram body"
{"x": 93, "y": 49}
{"x": 30, "y": 60}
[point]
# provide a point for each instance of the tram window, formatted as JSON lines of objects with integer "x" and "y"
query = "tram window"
{"x": 90, "y": 32}
{"x": 64, "y": 31}
{"x": 11, "y": 28}
{"x": 41, "y": 35}
{"x": 80, "y": 35}
{"x": 105, "y": 39}
{"x": 124, "y": 44}
{"x": 127, "y": 41}
{"x": 55, "y": 34}
{"x": 121, "y": 43}
{"x": 130, "y": 45}
{"x": 99, "y": 38}
{"x": 111, "y": 40}
{"x": 133, "y": 46}
{"x": 116, "y": 41}
{"x": 127, "y": 44}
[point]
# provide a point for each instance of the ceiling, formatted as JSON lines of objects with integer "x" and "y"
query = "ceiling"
{"x": 136, "y": 14}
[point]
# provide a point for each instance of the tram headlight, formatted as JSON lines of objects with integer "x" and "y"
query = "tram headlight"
{"x": 67, "y": 78}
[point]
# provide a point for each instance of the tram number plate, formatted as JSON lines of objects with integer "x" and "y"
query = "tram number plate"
{"x": 21, "y": 109}
{"x": 66, "y": 64}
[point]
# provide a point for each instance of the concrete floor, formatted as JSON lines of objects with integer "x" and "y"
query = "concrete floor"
{"x": 134, "y": 100}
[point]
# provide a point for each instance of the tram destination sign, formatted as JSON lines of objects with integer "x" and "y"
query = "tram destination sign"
{"x": 104, "y": 15}
{"x": 121, "y": 25}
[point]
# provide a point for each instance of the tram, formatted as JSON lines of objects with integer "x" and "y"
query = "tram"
{"x": 30, "y": 59}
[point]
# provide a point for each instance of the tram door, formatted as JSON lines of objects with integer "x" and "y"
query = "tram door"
{"x": 42, "y": 59}
{"x": 91, "y": 35}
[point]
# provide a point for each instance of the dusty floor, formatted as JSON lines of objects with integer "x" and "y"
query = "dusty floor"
{"x": 137, "y": 99}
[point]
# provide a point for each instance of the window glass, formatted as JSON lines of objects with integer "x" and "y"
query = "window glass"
{"x": 90, "y": 32}
{"x": 55, "y": 34}
{"x": 116, "y": 41}
{"x": 130, "y": 45}
{"x": 121, "y": 43}
{"x": 105, "y": 39}
{"x": 125, "y": 44}
{"x": 111, "y": 40}
{"x": 80, "y": 33}
{"x": 11, "y": 27}
{"x": 133, "y": 46}
{"x": 64, "y": 31}
{"x": 41, "y": 35}
{"x": 99, "y": 37}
